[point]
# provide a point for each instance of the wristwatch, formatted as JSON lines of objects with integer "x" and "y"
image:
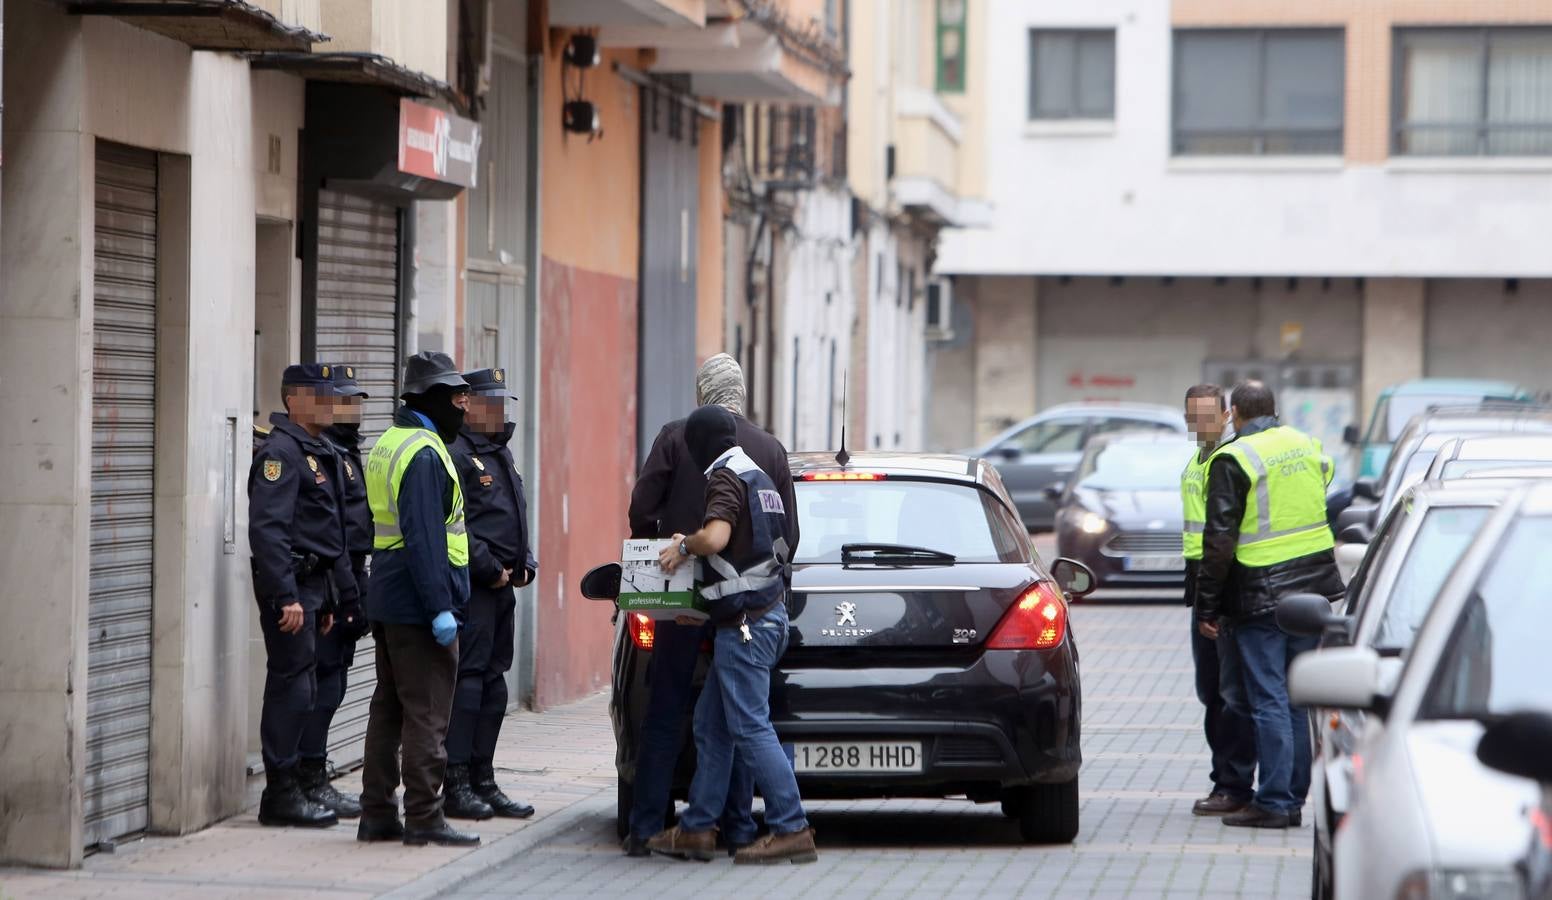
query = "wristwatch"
{"x": 684, "y": 548}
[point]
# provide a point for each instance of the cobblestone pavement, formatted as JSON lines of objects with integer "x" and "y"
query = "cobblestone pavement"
{"x": 1143, "y": 765}
{"x": 1144, "y": 762}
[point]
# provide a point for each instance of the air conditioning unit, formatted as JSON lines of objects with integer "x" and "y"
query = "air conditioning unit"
{"x": 940, "y": 309}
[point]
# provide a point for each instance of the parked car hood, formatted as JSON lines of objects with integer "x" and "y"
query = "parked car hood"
{"x": 1478, "y": 817}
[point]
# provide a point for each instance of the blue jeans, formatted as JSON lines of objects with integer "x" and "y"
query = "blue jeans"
{"x": 671, "y": 677}
{"x": 1282, "y": 729}
{"x": 733, "y": 718}
{"x": 1231, "y": 736}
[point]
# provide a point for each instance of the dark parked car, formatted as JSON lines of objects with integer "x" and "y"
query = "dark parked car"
{"x": 930, "y": 654}
{"x": 1045, "y": 449}
{"x": 1121, "y": 513}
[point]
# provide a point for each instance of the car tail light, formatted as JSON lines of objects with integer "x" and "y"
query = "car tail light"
{"x": 844, "y": 476}
{"x": 1038, "y": 621}
{"x": 643, "y": 631}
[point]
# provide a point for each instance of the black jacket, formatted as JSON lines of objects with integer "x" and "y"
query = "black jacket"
{"x": 1224, "y": 588}
{"x": 670, "y": 494}
{"x": 414, "y": 582}
{"x": 358, "y": 523}
{"x": 495, "y": 507}
{"x": 294, "y": 511}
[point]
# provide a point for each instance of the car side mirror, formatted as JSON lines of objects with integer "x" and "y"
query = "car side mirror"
{"x": 1351, "y": 436}
{"x": 1053, "y": 492}
{"x": 1366, "y": 489}
{"x": 1338, "y": 678}
{"x": 602, "y": 583}
{"x": 1074, "y": 578}
{"x": 1310, "y": 615}
{"x": 1358, "y": 533}
{"x": 1519, "y": 744}
{"x": 1007, "y": 452}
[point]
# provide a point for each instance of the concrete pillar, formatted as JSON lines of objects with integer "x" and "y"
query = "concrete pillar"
{"x": 45, "y": 384}
{"x": 1006, "y": 321}
{"x": 1393, "y": 312}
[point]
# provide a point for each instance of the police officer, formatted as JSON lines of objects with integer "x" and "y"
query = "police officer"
{"x": 744, "y": 545}
{"x": 337, "y": 648}
{"x": 1220, "y": 686}
{"x": 297, "y": 535}
{"x": 419, "y": 589}
{"x": 1266, "y": 534}
{"x": 500, "y": 559}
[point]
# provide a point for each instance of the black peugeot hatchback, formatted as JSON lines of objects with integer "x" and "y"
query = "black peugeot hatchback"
{"x": 931, "y": 653}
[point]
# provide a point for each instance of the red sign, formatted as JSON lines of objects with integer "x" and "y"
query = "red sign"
{"x": 436, "y": 144}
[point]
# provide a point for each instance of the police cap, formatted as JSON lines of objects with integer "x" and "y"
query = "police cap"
{"x": 308, "y": 375}
{"x": 489, "y": 383}
{"x": 345, "y": 384}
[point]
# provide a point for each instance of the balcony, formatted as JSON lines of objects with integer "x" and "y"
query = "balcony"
{"x": 925, "y": 178}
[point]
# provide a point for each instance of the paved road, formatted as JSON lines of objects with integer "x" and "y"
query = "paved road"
{"x": 1143, "y": 765}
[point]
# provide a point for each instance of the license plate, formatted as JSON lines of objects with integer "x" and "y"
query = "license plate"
{"x": 1155, "y": 563}
{"x": 857, "y": 756}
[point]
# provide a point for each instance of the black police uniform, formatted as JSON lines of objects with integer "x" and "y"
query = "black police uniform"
{"x": 496, "y": 512}
{"x": 297, "y": 537}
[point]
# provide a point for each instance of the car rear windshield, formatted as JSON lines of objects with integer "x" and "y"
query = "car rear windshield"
{"x": 1136, "y": 466}
{"x": 1443, "y": 536}
{"x": 959, "y": 519}
{"x": 1496, "y": 661}
{"x": 1396, "y": 411}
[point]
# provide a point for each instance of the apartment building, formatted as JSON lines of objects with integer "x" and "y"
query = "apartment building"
{"x": 1334, "y": 196}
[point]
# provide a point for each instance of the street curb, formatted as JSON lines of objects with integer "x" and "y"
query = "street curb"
{"x": 447, "y": 878}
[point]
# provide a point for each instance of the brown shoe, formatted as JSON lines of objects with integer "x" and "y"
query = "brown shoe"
{"x": 677, "y": 842}
{"x": 1217, "y": 804}
{"x": 794, "y": 847}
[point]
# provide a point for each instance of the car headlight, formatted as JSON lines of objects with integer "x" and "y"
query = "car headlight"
{"x": 1091, "y": 523}
{"x": 1461, "y": 884}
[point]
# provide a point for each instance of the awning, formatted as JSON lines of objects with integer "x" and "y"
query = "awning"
{"x": 370, "y": 69}
{"x": 205, "y": 24}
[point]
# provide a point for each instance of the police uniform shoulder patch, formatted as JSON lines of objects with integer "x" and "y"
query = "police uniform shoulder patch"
{"x": 271, "y": 470}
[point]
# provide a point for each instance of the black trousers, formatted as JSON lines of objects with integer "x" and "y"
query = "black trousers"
{"x": 410, "y": 708}
{"x": 1220, "y": 686}
{"x": 290, "y": 688}
{"x": 335, "y": 655}
{"x": 485, "y": 656}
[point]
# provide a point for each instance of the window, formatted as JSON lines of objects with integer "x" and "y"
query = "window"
{"x": 1247, "y": 92}
{"x": 1474, "y": 92}
{"x": 955, "y": 518}
{"x": 1072, "y": 74}
{"x": 1112, "y": 425}
{"x": 1441, "y": 540}
{"x": 1056, "y": 436}
{"x": 951, "y": 46}
{"x": 1136, "y": 466}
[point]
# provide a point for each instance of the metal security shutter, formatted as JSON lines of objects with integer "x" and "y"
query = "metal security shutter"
{"x": 670, "y": 206}
{"x": 118, "y": 691}
{"x": 358, "y": 323}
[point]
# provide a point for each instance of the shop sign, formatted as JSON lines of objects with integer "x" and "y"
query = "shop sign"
{"x": 436, "y": 144}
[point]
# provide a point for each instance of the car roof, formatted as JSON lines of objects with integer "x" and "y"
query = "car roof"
{"x": 937, "y": 466}
{"x": 1124, "y": 406}
{"x": 1538, "y": 499}
{"x": 1507, "y": 473}
{"x": 1461, "y": 386}
{"x": 1494, "y": 446}
{"x": 1140, "y": 436}
{"x": 1456, "y": 491}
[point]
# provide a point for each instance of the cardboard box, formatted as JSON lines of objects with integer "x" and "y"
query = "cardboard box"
{"x": 645, "y": 588}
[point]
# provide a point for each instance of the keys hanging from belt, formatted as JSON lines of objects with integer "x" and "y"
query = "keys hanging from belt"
{"x": 743, "y": 630}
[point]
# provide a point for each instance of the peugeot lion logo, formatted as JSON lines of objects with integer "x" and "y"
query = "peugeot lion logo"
{"x": 846, "y": 613}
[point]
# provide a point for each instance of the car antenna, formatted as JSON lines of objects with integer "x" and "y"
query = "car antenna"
{"x": 841, "y": 456}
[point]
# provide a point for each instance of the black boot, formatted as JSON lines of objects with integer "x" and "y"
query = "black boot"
{"x": 284, "y": 803}
{"x": 458, "y": 800}
{"x": 373, "y": 830}
{"x": 441, "y": 834}
{"x": 482, "y": 778}
{"x": 313, "y": 776}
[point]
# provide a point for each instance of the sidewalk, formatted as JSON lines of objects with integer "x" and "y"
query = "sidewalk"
{"x": 555, "y": 760}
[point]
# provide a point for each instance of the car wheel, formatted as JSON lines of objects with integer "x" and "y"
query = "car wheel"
{"x": 1320, "y": 875}
{"x": 624, "y": 796}
{"x": 1011, "y": 803}
{"x": 1048, "y": 813}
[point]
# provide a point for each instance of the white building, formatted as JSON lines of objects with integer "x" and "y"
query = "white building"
{"x": 1334, "y": 195}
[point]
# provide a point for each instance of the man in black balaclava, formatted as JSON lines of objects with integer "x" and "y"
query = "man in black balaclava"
{"x": 710, "y": 432}
{"x": 418, "y": 592}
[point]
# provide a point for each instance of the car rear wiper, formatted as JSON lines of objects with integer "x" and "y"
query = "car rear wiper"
{"x": 892, "y": 552}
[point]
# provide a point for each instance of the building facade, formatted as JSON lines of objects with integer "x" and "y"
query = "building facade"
{"x": 1333, "y": 196}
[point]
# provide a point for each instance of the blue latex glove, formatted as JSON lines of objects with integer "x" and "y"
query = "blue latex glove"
{"x": 444, "y": 627}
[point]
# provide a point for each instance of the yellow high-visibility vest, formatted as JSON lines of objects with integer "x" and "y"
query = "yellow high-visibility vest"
{"x": 1285, "y": 509}
{"x": 384, "y": 473}
{"x": 1193, "y": 499}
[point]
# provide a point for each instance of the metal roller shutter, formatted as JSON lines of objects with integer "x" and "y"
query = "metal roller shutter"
{"x": 118, "y": 694}
{"x": 358, "y": 323}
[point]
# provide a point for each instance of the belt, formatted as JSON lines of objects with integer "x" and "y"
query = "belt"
{"x": 748, "y": 616}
